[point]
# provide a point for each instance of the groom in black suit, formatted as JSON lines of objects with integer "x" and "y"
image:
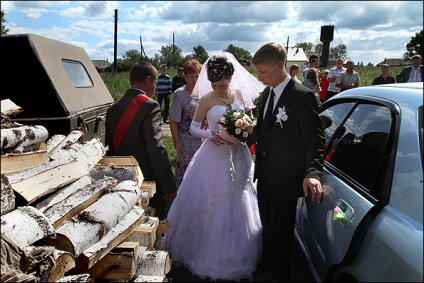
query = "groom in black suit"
{"x": 289, "y": 158}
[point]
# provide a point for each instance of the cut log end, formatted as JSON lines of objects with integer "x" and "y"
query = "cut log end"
{"x": 64, "y": 263}
{"x": 60, "y": 242}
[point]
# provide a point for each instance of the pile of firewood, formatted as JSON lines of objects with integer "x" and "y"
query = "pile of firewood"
{"x": 71, "y": 214}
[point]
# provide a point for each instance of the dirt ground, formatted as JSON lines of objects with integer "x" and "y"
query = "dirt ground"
{"x": 300, "y": 270}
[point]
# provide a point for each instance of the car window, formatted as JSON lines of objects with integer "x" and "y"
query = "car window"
{"x": 77, "y": 74}
{"x": 333, "y": 118}
{"x": 358, "y": 147}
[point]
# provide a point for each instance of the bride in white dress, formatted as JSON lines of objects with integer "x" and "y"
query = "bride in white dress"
{"x": 215, "y": 228}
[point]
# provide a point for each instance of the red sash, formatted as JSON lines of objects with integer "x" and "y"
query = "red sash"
{"x": 126, "y": 119}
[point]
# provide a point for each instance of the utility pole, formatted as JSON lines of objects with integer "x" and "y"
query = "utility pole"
{"x": 141, "y": 48}
{"x": 287, "y": 51}
{"x": 115, "y": 45}
{"x": 142, "y": 52}
{"x": 173, "y": 48}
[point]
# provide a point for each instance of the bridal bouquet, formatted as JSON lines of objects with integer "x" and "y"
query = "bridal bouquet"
{"x": 238, "y": 124}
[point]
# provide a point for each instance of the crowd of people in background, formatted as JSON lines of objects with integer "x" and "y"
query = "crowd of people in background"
{"x": 339, "y": 78}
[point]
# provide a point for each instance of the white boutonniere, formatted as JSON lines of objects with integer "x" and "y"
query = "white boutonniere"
{"x": 281, "y": 116}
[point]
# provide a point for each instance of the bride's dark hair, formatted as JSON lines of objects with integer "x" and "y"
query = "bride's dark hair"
{"x": 219, "y": 68}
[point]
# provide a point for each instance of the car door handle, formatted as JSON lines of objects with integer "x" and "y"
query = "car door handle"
{"x": 343, "y": 212}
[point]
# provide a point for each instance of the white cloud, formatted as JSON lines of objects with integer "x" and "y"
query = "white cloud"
{"x": 371, "y": 30}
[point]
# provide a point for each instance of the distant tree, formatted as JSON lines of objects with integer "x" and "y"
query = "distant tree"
{"x": 200, "y": 54}
{"x": 171, "y": 55}
{"x": 132, "y": 55}
{"x": 4, "y": 30}
{"x": 123, "y": 65}
{"x": 369, "y": 64}
{"x": 415, "y": 46}
{"x": 238, "y": 52}
{"x": 128, "y": 59}
{"x": 306, "y": 46}
{"x": 318, "y": 48}
{"x": 339, "y": 51}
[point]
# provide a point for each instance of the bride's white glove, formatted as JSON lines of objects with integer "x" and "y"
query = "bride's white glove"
{"x": 197, "y": 131}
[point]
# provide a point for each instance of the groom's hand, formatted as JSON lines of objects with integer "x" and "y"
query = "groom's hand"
{"x": 315, "y": 186}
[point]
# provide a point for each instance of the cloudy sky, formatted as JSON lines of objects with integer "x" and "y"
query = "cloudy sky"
{"x": 371, "y": 31}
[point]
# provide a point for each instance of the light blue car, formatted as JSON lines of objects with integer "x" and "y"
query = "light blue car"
{"x": 369, "y": 224}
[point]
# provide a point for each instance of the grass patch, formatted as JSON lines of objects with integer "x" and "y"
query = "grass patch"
{"x": 168, "y": 143}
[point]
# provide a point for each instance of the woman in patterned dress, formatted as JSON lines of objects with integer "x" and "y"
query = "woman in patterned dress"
{"x": 182, "y": 111}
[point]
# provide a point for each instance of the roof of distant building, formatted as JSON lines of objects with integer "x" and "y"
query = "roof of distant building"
{"x": 296, "y": 54}
{"x": 100, "y": 64}
{"x": 393, "y": 62}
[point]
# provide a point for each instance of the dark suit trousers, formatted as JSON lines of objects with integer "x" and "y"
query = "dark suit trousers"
{"x": 166, "y": 99}
{"x": 158, "y": 203}
{"x": 278, "y": 218}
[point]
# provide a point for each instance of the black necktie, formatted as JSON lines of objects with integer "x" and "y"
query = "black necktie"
{"x": 270, "y": 106}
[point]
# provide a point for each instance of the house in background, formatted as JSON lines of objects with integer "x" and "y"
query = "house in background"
{"x": 296, "y": 56}
{"x": 394, "y": 62}
{"x": 100, "y": 65}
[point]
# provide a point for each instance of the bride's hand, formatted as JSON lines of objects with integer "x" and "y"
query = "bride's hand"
{"x": 217, "y": 139}
{"x": 225, "y": 136}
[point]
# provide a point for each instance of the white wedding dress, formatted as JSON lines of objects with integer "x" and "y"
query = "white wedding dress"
{"x": 215, "y": 229}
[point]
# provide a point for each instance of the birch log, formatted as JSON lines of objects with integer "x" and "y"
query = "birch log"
{"x": 18, "y": 162}
{"x": 115, "y": 236}
{"x": 145, "y": 233}
{"x": 25, "y": 225}
{"x": 148, "y": 278}
{"x": 63, "y": 193}
{"x": 75, "y": 278}
{"x": 96, "y": 220}
{"x": 7, "y": 196}
{"x": 120, "y": 174}
{"x": 150, "y": 187}
{"x": 19, "y": 176}
{"x": 119, "y": 264}
{"x": 54, "y": 141}
{"x": 49, "y": 181}
{"x": 153, "y": 263}
{"x": 8, "y": 107}
{"x": 144, "y": 200}
{"x": 62, "y": 261}
{"x": 21, "y": 136}
{"x": 89, "y": 154}
{"x": 75, "y": 203}
{"x": 116, "y": 162}
{"x": 58, "y": 142}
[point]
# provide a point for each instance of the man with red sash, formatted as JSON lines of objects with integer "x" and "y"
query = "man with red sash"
{"x": 133, "y": 129}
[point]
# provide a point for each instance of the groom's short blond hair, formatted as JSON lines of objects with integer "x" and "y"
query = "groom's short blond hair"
{"x": 270, "y": 53}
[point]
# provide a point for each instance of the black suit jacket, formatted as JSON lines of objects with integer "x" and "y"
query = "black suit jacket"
{"x": 143, "y": 140}
{"x": 287, "y": 153}
{"x": 403, "y": 76}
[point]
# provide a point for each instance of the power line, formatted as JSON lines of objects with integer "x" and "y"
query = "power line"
{"x": 342, "y": 43}
{"x": 94, "y": 7}
{"x": 111, "y": 9}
